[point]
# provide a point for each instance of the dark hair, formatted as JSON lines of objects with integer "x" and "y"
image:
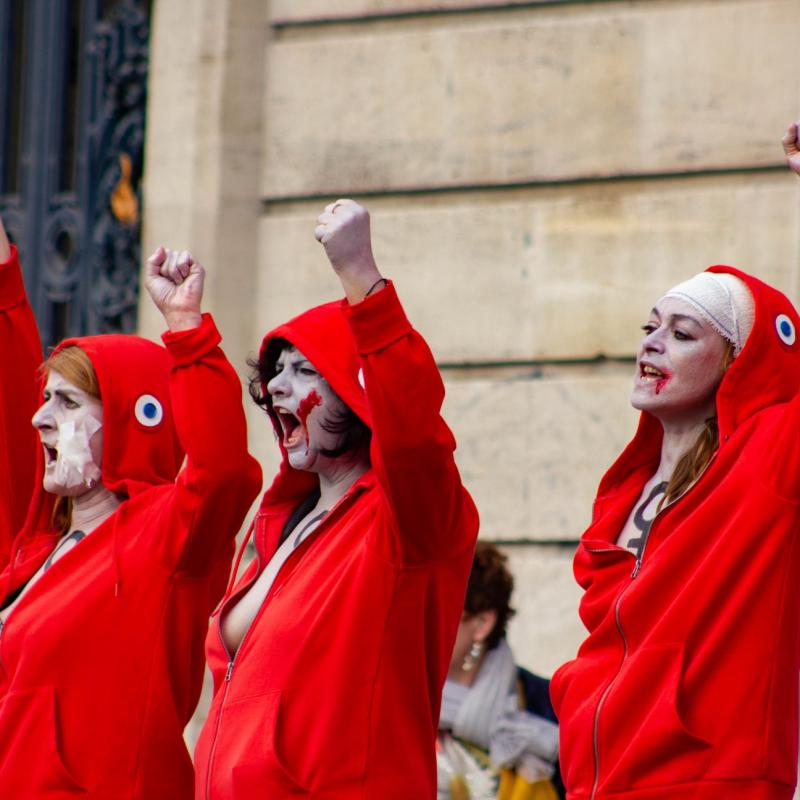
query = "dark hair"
{"x": 348, "y": 425}
{"x": 489, "y": 589}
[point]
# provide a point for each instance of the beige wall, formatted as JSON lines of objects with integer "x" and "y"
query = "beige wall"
{"x": 204, "y": 151}
{"x": 538, "y": 175}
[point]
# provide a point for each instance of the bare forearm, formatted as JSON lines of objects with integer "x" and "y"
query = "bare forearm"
{"x": 5, "y": 245}
{"x": 343, "y": 229}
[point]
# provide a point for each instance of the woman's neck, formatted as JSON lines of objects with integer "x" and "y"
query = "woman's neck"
{"x": 339, "y": 477}
{"x": 465, "y": 677}
{"x": 92, "y": 508}
{"x": 679, "y": 438}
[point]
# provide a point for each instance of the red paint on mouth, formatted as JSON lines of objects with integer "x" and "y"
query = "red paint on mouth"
{"x": 306, "y": 406}
{"x": 661, "y": 383}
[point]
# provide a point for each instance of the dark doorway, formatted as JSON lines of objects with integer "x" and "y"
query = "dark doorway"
{"x": 73, "y": 84}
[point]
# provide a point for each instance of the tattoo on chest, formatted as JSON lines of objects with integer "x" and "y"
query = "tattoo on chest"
{"x": 75, "y": 536}
{"x": 644, "y": 516}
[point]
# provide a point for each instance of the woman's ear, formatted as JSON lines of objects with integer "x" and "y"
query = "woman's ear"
{"x": 484, "y": 624}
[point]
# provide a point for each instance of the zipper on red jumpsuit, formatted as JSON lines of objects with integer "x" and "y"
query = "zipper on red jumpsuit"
{"x": 232, "y": 658}
{"x": 596, "y": 725}
{"x": 228, "y": 670}
{"x": 618, "y": 621}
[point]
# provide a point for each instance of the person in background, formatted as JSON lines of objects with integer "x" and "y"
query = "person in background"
{"x": 498, "y": 736}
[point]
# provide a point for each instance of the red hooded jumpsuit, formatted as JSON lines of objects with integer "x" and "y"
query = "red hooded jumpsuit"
{"x": 687, "y": 684}
{"x": 18, "y": 400}
{"x": 335, "y": 689}
{"x": 101, "y": 661}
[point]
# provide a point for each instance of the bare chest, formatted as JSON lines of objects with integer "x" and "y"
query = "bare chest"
{"x": 637, "y": 526}
{"x": 238, "y": 618}
{"x": 63, "y": 547}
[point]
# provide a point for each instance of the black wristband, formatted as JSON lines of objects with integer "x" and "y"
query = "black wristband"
{"x": 371, "y": 289}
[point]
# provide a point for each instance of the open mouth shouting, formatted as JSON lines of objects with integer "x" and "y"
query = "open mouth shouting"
{"x": 50, "y": 455}
{"x": 295, "y": 426}
{"x": 649, "y": 374}
{"x": 291, "y": 426}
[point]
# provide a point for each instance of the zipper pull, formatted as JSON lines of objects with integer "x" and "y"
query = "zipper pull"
{"x": 229, "y": 671}
{"x": 636, "y": 567}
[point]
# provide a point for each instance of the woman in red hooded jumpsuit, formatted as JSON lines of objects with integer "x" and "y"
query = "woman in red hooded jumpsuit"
{"x": 125, "y": 551}
{"x": 329, "y": 655}
{"x": 687, "y": 684}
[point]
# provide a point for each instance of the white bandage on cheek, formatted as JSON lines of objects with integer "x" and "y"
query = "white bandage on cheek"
{"x": 75, "y": 465}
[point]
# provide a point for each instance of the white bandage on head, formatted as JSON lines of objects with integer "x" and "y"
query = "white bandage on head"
{"x": 723, "y": 301}
{"x": 75, "y": 465}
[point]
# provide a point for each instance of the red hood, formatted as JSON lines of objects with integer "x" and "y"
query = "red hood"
{"x": 765, "y": 373}
{"x": 323, "y": 335}
{"x": 135, "y": 456}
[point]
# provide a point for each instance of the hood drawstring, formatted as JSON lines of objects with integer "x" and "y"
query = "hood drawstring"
{"x": 16, "y": 557}
{"x": 116, "y": 559}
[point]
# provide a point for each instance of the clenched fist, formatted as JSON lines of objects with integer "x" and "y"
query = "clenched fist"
{"x": 343, "y": 230}
{"x": 791, "y": 146}
{"x": 175, "y": 282}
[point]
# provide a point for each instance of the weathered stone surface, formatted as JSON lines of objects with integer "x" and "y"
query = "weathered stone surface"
{"x": 557, "y": 273}
{"x": 536, "y": 94}
{"x": 532, "y": 452}
{"x": 203, "y": 149}
{"x": 288, "y": 11}
{"x": 546, "y": 631}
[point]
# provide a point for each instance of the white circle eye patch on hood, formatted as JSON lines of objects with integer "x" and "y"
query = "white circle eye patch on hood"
{"x": 785, "y": 329}
{"x": 148, "y": 411}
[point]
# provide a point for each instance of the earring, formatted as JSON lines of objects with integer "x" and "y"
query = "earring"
{"x": 471, "y": 658}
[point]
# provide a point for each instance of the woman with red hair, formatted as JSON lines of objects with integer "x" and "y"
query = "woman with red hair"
{"x": 686, "y": 685}
{"x": 144, "y": 481}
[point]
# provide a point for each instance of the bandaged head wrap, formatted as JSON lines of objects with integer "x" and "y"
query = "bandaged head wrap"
{"x": 723, "y": 301}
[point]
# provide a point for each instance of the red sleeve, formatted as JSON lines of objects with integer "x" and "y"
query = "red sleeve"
{"x": 412, "y": 447}
{"x": 219, "y": 479}
{"x": 19, "y": 392}
{"x": 780, "y": 450}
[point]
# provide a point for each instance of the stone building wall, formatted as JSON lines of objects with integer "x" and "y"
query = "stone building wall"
{"x": 538, "y": 174}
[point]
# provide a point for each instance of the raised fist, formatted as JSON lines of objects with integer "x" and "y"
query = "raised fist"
{"x": 791, "y": 146}
{"x": 343, "y": 230}
{"x": 175, "y": 282}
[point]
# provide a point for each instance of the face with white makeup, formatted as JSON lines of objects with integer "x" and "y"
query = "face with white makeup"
{"x": 69, "y": 423}
{"x": 680, "y": 364}
{"x": 314, "y": 422}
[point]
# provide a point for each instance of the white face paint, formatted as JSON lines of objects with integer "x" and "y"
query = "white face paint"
{"x": 305, "y": 405}
{"x": 69, "y": 423}
{"x": 679, "y": 364}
